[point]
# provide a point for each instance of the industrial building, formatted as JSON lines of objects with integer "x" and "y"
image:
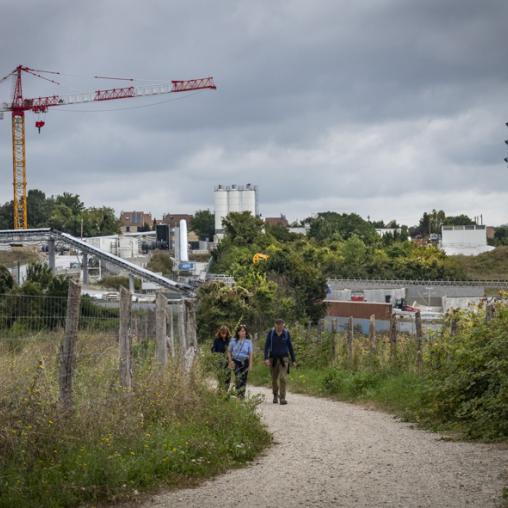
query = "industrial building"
{"x": 234, "y": 198}
{"x": 468, "y": 240}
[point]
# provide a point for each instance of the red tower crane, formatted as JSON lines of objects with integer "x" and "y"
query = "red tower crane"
{"x": 19, "y": 105}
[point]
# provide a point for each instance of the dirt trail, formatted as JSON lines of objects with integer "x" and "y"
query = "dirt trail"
{"x": 329, "y": 453}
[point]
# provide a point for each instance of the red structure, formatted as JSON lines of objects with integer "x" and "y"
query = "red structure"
{"x": 38, "y": 105}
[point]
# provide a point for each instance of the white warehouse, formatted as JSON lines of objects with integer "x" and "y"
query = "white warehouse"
{"x": 234, "y": 198}
{"x": 466, "y": 240}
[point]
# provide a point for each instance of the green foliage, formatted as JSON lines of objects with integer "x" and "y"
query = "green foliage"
{"x": 160, "y": 262}
{"x": 219, "y": 304}
{"x": 467, "y": 383}
{"x": 489, "y": 265}
{"x": 119, "y": 281}
{"x": 242, "y": 228}
{"x": 169, "y": 431}
{"x": 6, "y": 280}
{"x": 203, "y": 224}
{"x": 336, "y": 226}
{"x": 431, "y": 223}
{"x": 65, "y": 212}
{"x": 501, "y": 235}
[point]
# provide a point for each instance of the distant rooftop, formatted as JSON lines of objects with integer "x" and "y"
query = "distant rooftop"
{"x": 458, "y": 228}
{"x": 234, "y": 187}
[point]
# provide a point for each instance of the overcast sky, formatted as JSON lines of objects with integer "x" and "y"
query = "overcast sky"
{"x": 386, "y": 108}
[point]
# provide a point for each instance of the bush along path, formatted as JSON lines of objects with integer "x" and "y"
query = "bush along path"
{"x": 329, "y": 453}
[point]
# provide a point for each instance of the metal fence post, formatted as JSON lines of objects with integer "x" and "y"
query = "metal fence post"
{"x": 68, "y": 346}
{"x": 125, "y": 338}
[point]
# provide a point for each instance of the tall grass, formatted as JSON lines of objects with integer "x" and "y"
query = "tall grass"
{"x": 463, "y": 385}
{"x": 170, "y": 430}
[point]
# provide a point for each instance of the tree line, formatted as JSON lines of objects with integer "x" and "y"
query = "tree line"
{"x": 292, "y": 281}
{"x": 65, "y": 212}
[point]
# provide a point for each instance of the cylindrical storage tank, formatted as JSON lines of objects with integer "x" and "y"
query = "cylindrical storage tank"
{"x": 184, "y": 255}
{"x": 127, "y": 248}
{"x": 249, "y": 201}
{"x": 221, "y": 206}
{"x": 234, "y": 200}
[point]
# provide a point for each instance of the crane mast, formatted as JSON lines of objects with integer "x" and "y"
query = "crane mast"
{"x": 41, "y": 104}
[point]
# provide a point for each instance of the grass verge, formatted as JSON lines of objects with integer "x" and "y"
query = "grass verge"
{"x": 168, "y": 431}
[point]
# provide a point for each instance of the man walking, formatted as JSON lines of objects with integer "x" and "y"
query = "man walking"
{"x": 278, "y": 350}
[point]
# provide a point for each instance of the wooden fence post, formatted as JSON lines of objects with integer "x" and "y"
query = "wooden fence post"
{"x": 182, "y": 328}
{"x": 419, "y": 334}
{"x": 161, "y": 352}
{"x": 454, "y": 323}
{"x": 190, "y": 315}
{"x": 334, "y": 339}
{"x": 170, "y": 325}
{"x": 125, "y": 338}
{"x": 349, "y": 341}
{"x": 372, "y": 334}
{"x": 68, "y": 346}
{"x": 393, "y": 337}
{"x": 490, "y": 312}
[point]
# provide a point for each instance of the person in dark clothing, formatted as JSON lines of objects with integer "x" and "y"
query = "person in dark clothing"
{"x": 220, "y": 347}
{"x": 278, "y": 351}
{"x": 240, "y": 354}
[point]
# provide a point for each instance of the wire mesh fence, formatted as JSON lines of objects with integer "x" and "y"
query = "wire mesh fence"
{"x": 27, "y": 316}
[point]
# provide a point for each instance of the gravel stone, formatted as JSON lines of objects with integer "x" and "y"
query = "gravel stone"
{"x": 329, "y": 453}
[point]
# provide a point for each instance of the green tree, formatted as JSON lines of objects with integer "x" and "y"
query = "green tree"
{"x": 458, "y": 220}
{"x": 332, "y": 225}
{"x": 71, "y": 201}
{"x": 160, "y": 262}
{"x": 501, "y": 235}
{"x": 219, "y": 304}
{"x": 39, "y": 208}
{"x": 6, "y": 280}
{"x": 242, "y": 228}
{"x": 99, "y": 221}
{"x": 203, "y": 224}
{"x": 6, "y": 216}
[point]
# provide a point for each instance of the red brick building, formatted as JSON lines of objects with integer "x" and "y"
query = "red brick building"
{"x": 277, "y": 221}
{"x": 132, "y": 221}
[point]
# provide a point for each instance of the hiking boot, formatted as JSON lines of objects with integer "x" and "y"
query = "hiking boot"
{"x": 275, "y": 399}
{"x": 283, "y": 402}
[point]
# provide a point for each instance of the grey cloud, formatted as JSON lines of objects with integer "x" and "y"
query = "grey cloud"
{"x": 323, "y": 104}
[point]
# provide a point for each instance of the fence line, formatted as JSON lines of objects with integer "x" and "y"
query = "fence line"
{"x": 40, "y": 317}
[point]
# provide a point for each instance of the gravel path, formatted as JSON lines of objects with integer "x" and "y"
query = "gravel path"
{"x": 329, "y": 453}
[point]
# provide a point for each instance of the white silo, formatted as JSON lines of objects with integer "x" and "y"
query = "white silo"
{"x": 221, "y": 205}
{"x": 184, "y": 256}
{"x": 249, "y": 199}
{"x": 234, "y": 199}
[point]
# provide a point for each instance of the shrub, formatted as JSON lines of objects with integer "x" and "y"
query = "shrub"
{"x": 467, "y": 381}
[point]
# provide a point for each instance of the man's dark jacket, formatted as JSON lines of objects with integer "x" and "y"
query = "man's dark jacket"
{"x": 279, "y": 346}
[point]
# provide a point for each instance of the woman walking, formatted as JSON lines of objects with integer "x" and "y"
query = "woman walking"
{"x": 240, "y": 356}
{"x": 220, "y": 348}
